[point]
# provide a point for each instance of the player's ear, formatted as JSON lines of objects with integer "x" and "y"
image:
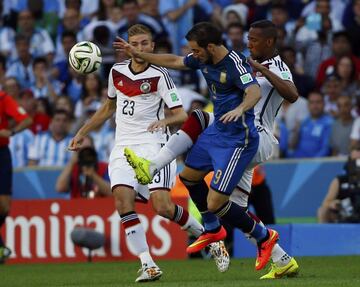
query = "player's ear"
{"x": 152, "y": 46}
{"x": 211, "y": 48}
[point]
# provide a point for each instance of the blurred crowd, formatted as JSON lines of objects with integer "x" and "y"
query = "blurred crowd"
{"x": 319, "y": 40}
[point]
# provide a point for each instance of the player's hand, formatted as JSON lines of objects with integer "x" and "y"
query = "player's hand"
{"x": 76, "y": 143}
{"x": 156, "y": 126}
{"x": 122, "y": 46}
{"x": 255, "y": 65}
{"x": 5, "y": 133}
{"x": 232, "y": 116}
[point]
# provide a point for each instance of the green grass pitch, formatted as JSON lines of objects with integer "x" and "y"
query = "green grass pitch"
{"x": 315, "y": 272}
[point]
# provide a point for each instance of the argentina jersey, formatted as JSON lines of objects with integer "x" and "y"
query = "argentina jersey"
{"x": 227, "y": 81}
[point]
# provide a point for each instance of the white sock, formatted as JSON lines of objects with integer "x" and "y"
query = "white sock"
{"x": 178, "y": 143}
{"x": 136, "y": 239}
{"x": 187, "y": 221}
{"x": 279, "y": 256}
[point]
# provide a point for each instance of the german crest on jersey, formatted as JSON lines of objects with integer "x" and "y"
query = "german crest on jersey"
{"x": 145, "y": 87}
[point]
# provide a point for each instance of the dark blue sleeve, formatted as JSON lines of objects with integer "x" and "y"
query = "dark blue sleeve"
{"x": 191, "y": 62}
{"x": 242, "y": 73}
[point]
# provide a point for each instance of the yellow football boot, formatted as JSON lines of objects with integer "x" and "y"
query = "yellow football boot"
{"x": 140, "y": 166}
{"x": 289, "y": 270}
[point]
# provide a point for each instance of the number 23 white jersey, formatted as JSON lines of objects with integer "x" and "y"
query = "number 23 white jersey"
{"x": 140, "y": 99}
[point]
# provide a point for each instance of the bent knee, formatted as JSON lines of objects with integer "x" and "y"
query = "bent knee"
{"x": 164, "y": 209}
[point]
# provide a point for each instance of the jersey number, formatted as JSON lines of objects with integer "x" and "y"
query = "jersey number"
{"x": 128, "y": 108}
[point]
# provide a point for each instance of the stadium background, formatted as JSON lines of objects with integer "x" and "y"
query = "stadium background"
{"x": 35, "y": 37}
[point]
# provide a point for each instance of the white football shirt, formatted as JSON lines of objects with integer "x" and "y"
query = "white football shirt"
{"x": 269, "y": 104}
{"x": 140, "y": 100}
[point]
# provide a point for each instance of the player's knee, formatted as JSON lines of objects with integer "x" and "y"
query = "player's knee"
{"x": 214, "y": 205}
{"x": 123, "y": 203}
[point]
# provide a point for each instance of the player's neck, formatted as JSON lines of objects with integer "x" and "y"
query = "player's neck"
{"x": 267, "y": 56}
{"x": 220, "y": 54}
{"x": 138, "y": 67}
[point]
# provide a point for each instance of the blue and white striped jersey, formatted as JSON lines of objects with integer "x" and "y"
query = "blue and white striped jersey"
{"x": 48, "y": 152}
{"x": 19, "y": 147}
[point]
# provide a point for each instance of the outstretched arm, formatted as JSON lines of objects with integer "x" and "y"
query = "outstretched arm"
{"x": 164, "y": 60}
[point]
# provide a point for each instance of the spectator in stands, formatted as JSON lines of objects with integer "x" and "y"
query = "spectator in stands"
{"x": 19, "y": 147}
{"x": 353, "y": 27}
{"x": 84, "y": 176}
{"x": 179, "y": 18}
{"x": 71, "y": 22}
{"x": 41, "y": 44}
{"x": 44, "y": 86}
{"x": 2, "y": 71}
{"x": 60, "y": 70}
{"x": 313, "y": 137}
{"x": 105, "y": 9}
{"x": 22, "y": 69}
{"x": 132, "y": 15}
{"x": 355, "y": 134}
{"x": 342, "y": 201}
{"x": 340, "y": 46}
{"x": 332, "y": 91}
{"x": 42, "y": 115}
{"x": 7, "y": 35}
{"x": 341, "y": 128}
{"x": 236, "y": 13}
{"x": 50, "y": 148}
{"x": 91, "y": 92}
{"x": 346, "y": 71}
{"x": 235, "y": 38}
{"x": 280, "y": 17}
{"x": 74, "y": 87}
{"x": 317, "y": 48}
{"x": 304, "y": 83}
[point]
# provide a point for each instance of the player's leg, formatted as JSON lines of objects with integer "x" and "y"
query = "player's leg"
{"x": 229, "y": 168}
{"x": 159, "y": 188}
{"x": 283, "y": 264}
{"x": 163, "y": 205}
{"x": 123, "y": 186}
{"x": 5, "y": 196}
{"x": 178, "y": 143}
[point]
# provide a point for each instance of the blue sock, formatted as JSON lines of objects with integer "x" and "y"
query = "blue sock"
{"x": 236, "y": 216}
{"x": 259, "y": 232}
{"x": 210, "y": 221}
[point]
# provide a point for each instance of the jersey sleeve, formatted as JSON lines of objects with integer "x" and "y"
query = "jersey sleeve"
{"x": 280, "y": 69}
{"x": 13, "y": 110}
{"x": 168, "y": 91}
{"x": 242, "y": 73}
{"x": 111, "y": 87}
{"x": 191, "y": 62}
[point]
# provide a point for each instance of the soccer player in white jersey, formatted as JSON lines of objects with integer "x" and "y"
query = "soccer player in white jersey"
{"x": 138, "y": 91}
{"x": 276, "y": 84}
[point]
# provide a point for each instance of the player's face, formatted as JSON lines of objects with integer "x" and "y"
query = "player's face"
{"x": 142, "y": 43}
{"x": 257, "y": 43}
{"x": 200, "y": 53}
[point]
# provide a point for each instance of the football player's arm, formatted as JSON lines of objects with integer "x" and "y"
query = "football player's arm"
{"x": 285, "y": 88}
{"x": 165, "y": 60}
{"x": 178, "y": 116}
{"x": 101, "y": 116}
{"x": 251, "y": 97}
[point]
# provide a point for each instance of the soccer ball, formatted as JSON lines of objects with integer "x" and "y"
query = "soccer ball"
{"x": 85, "y": 57}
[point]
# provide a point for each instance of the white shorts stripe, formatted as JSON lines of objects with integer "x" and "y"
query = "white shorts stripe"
{"x": 230, "y": 168}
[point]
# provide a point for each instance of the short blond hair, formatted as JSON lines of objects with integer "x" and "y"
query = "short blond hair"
{"x": 139, "y": 29}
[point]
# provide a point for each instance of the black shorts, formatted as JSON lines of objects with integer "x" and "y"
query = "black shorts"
{"x": 5, "y": 171}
